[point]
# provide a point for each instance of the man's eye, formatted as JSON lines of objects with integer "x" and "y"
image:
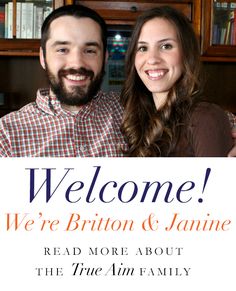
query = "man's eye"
{"x": 90, "y": 51}
{"x": 62, "y": 50}
{"x": 166, "y": 46}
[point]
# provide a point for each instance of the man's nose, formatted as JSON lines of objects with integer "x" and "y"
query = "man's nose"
{"x": 76, "y": 60}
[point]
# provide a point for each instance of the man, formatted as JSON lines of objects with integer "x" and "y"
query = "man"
{"x": 73, "y": 118}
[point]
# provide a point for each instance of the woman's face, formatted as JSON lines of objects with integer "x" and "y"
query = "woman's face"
{"x": 158, "y": 58}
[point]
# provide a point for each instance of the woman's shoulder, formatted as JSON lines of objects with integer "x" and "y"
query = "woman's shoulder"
{"x": 207, "y": 111}
{"x": 204, "y": 106}
{"x": 209, "y": 129}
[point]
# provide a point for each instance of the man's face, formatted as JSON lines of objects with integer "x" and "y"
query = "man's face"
{"x": 74, "y": 59}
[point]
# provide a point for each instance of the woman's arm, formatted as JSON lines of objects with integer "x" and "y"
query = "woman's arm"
{"x": 210, "y": 131}
{"x": 232, "y": 153}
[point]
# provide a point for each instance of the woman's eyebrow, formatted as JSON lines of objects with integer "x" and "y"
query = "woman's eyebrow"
{"x": 159, "y": 41}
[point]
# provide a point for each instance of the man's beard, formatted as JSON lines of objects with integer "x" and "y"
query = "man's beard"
{"x": 77, "y": 96}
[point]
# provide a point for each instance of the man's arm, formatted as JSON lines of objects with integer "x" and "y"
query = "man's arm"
{"x": 5, "y": 147}
{"x": 232, "y": 119}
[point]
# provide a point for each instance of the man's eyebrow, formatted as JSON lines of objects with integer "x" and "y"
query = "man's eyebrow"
{"x": 60, "y": 42}
{"x": 64, "y": 42}
{"x": 93, "y": 43}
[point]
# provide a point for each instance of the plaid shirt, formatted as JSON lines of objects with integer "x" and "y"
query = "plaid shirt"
{"x": 44, "y": 129}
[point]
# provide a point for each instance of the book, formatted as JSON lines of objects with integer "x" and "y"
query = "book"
{"x": 23, "y": 20}
{"x": 47, "y": 11}
{"x": 230, "y": 29}
{"x": 6, "y": 20}
{"x": 38, "y": 21}
{"x": 27, "y": 20}
{"x": 233, "y": 5}
{"x": 10, "y": 20}
{"x": 234, "y": 28}
{"x": 2, "y": 21}
{"x": 215, "y": 34}
{"x": 227, "y": 35}
{"x": 18, "y": 19}
{"x": 222, "y": 35}
{"x": 224, "y": 5}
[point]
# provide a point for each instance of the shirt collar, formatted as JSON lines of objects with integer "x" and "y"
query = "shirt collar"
{"x": 49, "y": 103}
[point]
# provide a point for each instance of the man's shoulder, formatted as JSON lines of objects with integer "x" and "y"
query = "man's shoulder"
{"x": 110, "y": 101}
{"x": 19, "y": 114}
{"x": 110, "y": 96}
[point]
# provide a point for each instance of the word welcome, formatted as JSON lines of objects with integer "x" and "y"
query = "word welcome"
{"x": 109, "y": 191}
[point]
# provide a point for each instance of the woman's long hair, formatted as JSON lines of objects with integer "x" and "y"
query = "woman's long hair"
{"x": 151, "y": 132}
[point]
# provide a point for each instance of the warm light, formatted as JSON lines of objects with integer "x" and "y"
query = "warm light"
{"x": 117, "y": 36}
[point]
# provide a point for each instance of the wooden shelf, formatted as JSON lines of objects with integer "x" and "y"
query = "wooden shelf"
{"x": 19, "y": 47}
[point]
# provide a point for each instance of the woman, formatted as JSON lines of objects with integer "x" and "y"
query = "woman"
{"x": 163, "y": 115}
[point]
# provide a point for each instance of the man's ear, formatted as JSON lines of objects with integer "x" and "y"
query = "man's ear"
{"x": 41, "y": 58}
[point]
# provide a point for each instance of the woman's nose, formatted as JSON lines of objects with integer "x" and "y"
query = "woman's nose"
{"x": 153, "y": 57}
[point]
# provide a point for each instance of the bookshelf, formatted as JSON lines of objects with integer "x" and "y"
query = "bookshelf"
{"x": 20, "y": 25}
{"x": 125, "y": 12}
{"x": 21, "y": 74}
{"x": 219, "y": 30}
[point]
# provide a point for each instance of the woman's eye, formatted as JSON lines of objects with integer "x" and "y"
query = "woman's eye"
{"x": 166, "y": 46}
{"x": 142, "y": 49}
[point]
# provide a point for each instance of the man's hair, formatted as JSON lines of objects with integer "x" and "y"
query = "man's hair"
{"x": 77, "y": 11}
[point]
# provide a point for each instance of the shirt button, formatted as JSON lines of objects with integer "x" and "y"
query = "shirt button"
{"x": 82, "y": 148}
